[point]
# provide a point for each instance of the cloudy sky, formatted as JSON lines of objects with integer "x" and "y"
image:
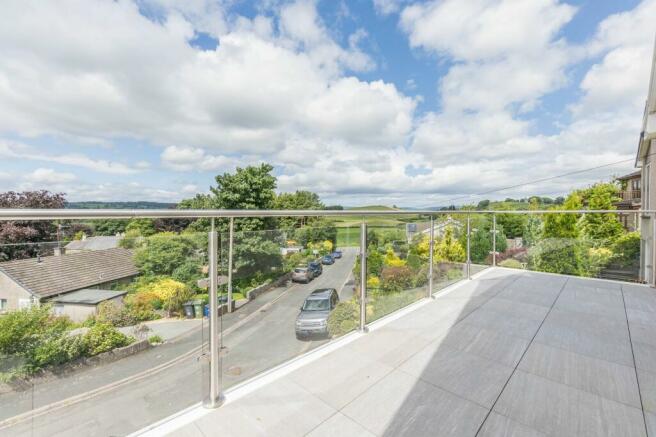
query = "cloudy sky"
{"x": 363, "y": 101}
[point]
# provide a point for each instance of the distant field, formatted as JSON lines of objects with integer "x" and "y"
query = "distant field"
{"x": 350, "y": 236}
{"x": 372, "y": 208}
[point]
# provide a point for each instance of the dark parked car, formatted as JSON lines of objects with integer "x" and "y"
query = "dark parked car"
{"x": 337, "y": 254}
{"x": 327, "y": 260}
{"x": 313, "y": 318}
{"x": 302, "y": 274}
{"x": 316, "y": 268}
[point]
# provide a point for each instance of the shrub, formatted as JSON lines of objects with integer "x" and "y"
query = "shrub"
{"x": 556, "y": 255}
{"x": 595, "y": 260}
{"x": 373, "y": 283}
{"x": 170, "y": 292}
{"x": 110, "y": 313}
{"x": 22, "y": 331}
{"x": 58, "y": 349}
{"x": 103, "y": 338}
{"x": 344, "y": 318}
{"x": 155, "y": 339}
{"x": 511, "y": 263}
{"x": 626, "y": 249}
{"x": 394, "y": 279}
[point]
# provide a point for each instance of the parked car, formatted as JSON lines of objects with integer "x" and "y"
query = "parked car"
{"x": 327, "y": 260}
{"x": 316, "y": 268}
{"x": 336, "y": 254}
{"x": 302, "y": 274}
{"x": 313, "y": 318}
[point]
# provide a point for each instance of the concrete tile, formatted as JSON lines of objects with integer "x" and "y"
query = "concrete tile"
{"x": 485, "y": 343}
{"x": 501, "y": 323}
{"x": 340, "y": 376}
{"x": 648, "y": 389}
{"x": 640, "y": 299}
{"x": 401, "y": 405}
{"x": 609, "y": 380}
{"x": 514, "y": 308}
{"x": 639, "y": 316}
{"x": 643, "y": 333}
{"x": 560, "y": 410}
{"x": 540, "y": 297}
{"x": 593, "y": 283}
{"x": 339, "y": 425}
{"x": 598, "y": 307}
{"x": 466, "y": 375}
{"x": 281, "y": 408}
{"x": 586, "y": 335}
{"x": 645, "y": 356}
{"x": 388, "y": 346}
{"x": 497, "y": 425}
{"x": 650, "y": 420}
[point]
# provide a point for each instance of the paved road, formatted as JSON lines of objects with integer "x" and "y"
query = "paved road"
{"x": 258, "y": 337}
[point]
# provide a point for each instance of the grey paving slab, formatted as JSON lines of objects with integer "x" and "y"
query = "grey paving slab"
{"x": 543, "y": 297}
{"x": 604, "y": 378}
{"x": 190, "y": 430}
{"x": 559, "y": 410}
{"x": 339, "y": 425}
{"x": 643, "y": 333}
{"x": 504, "y": 349}
{"x": 340, "y": 377}
{"x": 596, "y": 283}
{"x": 598, "y": 304}
{"x": 598, "y": 337}
{"x": 515, "y": 308}
{"x": 650, "y": 421}
{"x": 466, "y": 375}
{"x": 500, "y": 322}
{"x": 640, "y": 299}
{"x": 402, "y": 405}
{"x": 497, "y": 425}
{"x": 388, "y": 346}
{"x": 281, "y": 408}
{"x": 645, "y": 356}
{"x": 648, "y": 389}
{"x": 639, "y": 316}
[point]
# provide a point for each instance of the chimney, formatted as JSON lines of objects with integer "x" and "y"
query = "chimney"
{"x": 59, "y": 251}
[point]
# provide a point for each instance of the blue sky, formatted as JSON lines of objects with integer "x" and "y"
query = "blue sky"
{"x": 412, "y": 103}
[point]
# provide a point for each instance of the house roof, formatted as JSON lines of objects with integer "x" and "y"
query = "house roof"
{"x": 635, "y": 174}
{"x": 88, "y": 296}
{"x": 61, "y": 274}
{"x": 94, "y": 243}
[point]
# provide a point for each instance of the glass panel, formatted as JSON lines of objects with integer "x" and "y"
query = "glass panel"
{"x": 112, "y": 338}
{"x": 397, "y": 266}
{"x": 277, "y": 316}
{"x": 603, "y": 246}
{"x": 450, "y": 250}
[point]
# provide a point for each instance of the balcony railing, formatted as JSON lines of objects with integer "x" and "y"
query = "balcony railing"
{"x": 62, "y": 377}
{"x": 630, "y": 195}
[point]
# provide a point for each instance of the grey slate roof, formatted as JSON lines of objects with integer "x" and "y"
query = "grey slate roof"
{"x": 94, "y": 243}
{"x": 61, "y": 274}
{"x": 88, "y": 296}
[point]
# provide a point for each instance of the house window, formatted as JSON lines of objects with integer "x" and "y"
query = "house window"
{"x": 3, "y": 305}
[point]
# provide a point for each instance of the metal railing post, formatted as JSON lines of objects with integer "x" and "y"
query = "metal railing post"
{"x": 468, "y": 246}
{"x": 652, "y": 255}
{"x": 231, "y": 231}
{"x": 431, "y": 246}
{"x": 494, "y": 240}
{"x": 363, "y": 277}
{"x": 215, "y": 396}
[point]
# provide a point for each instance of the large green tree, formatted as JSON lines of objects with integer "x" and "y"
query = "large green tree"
{"x": 602, "y": 228}
{"x": 297, "y": 200}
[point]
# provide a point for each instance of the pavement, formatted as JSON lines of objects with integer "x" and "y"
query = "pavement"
{"x": 167, "y": 329}
{"x": 257, "y": 337}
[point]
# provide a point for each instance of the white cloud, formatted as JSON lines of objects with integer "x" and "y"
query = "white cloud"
{"x": 48, "y": 176}
{"x": 21, "y": 151}
{"x": 386, "y": 7}
{"x": 195, "y": 159}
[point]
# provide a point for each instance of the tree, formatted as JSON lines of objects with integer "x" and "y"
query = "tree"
{"x": 17, "y": 238}
{"x": 448, "y": 248}
{"x": 163, "y": 253}
{"x": 320, "y": 230}
{"x": 142, "y": 226}
{"x": 109, "y": 226}
{"x": 297, "y": 200}
{"x": 483, "y": 204}
{"x": 251, "y": 187}
{"x": 603, "y": 228}
{"x": 481, "y": 239}
{"x": 563, "y": 225}
{"x": 512, "y": 224}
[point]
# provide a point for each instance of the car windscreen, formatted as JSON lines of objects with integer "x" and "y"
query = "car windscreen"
{"x": 316, "y": 305}
{"x": 299, "y": 270}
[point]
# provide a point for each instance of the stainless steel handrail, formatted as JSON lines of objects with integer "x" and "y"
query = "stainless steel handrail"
{"x": 69, "y": 214}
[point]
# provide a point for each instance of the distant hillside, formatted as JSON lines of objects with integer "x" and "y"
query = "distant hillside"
{"x": 119, "y": 205}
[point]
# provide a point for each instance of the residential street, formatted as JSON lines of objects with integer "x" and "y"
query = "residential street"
{"x": 256, "y": 338}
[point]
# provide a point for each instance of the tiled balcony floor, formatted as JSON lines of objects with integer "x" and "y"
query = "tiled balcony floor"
{"x": 511, "y": 353}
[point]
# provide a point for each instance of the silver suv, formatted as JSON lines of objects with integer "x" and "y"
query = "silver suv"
{"x": 313, "y": 318}
{"x": 302, "y": 274}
